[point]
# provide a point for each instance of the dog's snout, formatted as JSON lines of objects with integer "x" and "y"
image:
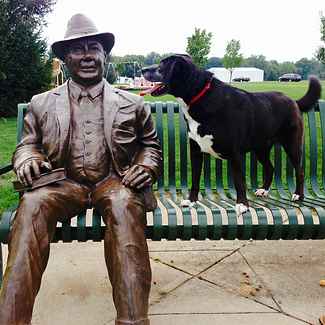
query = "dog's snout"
{"x": 152, "y": 73}
{"x": 144, "y": 70}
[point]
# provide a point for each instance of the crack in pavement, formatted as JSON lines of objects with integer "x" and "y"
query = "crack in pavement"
{"x": 262, "y": 281}
{"x": 192, "y": 276}
{"x": 270, "y": 291}
{"x": 198, "y": 276}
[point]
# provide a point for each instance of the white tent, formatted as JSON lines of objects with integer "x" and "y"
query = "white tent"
{"x": 253, "y": 74}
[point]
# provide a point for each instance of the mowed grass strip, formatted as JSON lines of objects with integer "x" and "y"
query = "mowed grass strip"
{"x": 8, "y": 133}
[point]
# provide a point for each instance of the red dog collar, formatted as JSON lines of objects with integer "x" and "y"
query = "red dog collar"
{"x": 201, "y": 93}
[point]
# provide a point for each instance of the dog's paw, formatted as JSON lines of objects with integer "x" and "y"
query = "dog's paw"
{"x": 241, "y": 208}
{"x": 261, "y": 192}
{"x": 295, "y": 197}
{"x": 188, "y": 203}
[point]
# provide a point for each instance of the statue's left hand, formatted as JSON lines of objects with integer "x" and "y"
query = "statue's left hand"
{"x": 137, "y": 177}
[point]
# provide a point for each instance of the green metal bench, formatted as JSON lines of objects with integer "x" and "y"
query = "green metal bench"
{"x": 214, "y": 216}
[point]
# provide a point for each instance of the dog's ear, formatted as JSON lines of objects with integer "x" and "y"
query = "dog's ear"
{"x": 178, "y": 66}
{"x": 172, "y": 69}
{"x": 185, "y": 57}
{"x": 179, "y": 57}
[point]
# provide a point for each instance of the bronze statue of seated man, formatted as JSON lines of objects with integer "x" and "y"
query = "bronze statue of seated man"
{"x": 106, "y": 141}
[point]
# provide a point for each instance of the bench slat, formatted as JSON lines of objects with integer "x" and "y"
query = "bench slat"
{"x": 183, "y": 152}
{"x": 171, "y": 149}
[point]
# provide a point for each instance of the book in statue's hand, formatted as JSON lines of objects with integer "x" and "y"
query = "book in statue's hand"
{"x": 46, "y": 178}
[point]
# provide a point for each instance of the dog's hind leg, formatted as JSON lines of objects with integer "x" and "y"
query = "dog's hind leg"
{"x": 196, "y": 156}
{"x": 293, "y": 147}
{"x": 240, "y": 184}
{"x": 263, "y": 156}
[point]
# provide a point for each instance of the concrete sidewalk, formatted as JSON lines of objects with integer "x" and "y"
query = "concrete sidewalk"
{"x": 220, "y": 282}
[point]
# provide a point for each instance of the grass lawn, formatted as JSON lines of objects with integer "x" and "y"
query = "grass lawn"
{"x": 8, "y": 130}
{"x": 294, "y": 90}
{"x": 7, "y": 146}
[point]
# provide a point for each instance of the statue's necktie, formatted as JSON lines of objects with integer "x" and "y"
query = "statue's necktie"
{"x": 85, "y": 101}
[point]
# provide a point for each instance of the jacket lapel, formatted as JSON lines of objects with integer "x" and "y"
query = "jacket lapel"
{"x": 62, "y": 107}
{"x": 111, "y": 106}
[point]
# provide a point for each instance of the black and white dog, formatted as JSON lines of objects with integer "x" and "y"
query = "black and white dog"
{"x": 227, "y": 122}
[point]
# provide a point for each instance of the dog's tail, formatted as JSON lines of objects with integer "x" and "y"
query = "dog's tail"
{"x": 312, "y": 96}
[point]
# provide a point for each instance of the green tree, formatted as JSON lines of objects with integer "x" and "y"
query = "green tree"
{"x": 232, "y": 56}
{"x": 140, "y": 59}
{"x": 255, "y": 61}
{"x": 24, "y": 66}
{"x": 110, "y": 72}
{"x": 304, "y": 67}
{"x": 198, "y": 47}
{"x": 128, "y": 69}
{"x": 272, "y": 70}
{"x": 152, "y": 58}
{"x": 128, "y": 65}
{"x": 320, "y": 53}
{"x": 213, "y": 62}
{"x": 287, "y": 67}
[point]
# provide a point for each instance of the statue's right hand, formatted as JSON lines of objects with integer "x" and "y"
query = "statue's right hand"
{"x": 31, "y": 169}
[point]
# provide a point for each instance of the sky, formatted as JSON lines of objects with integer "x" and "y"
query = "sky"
{"x": 282, "y": 30}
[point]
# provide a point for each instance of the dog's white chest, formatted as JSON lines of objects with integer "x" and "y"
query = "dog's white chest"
{"x": 204, "y": 142}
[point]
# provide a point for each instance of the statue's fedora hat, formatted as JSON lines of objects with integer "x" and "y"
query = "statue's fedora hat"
{"x": 79, "y": 26}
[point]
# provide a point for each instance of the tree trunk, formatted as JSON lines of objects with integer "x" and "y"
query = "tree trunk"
{"x": 230, "y": 70}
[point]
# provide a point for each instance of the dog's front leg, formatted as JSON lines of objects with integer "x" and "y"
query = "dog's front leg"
{"x": 196, "y": 156}
{"x": 240, "y": 184}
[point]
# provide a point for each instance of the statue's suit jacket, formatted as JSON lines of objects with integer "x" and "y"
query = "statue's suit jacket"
{"x": 128, "y": 127}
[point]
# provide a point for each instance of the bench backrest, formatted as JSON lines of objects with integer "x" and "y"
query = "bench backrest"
{"x": 176, "y": 174}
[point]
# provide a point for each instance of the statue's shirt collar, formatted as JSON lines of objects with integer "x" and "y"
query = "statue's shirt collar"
{"x": 76, "y": 90}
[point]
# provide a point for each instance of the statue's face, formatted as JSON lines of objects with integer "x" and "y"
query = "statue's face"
{"x": 85, "y": 60}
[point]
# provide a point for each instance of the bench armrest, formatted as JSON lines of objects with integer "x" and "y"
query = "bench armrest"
{"x": 6, "y": 169}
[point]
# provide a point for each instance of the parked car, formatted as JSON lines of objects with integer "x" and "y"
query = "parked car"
{"x": 241, "y": 79}
{"x": 290, "y": 77}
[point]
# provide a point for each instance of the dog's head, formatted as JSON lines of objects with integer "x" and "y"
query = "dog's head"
{"x": 170, "y": 74}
